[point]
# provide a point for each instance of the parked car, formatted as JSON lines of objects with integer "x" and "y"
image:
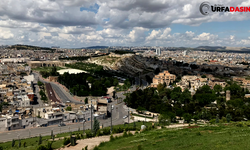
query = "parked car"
{"x": 61, "y": 125}
{"x": 125, "y": 117}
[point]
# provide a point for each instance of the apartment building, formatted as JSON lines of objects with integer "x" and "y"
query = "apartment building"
{"x": 163, "y": 77}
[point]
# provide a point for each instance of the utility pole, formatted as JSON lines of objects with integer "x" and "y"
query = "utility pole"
{"x": 111, "y": 129}
{"x": 128, "y": 116}
{"x": 91, "y": 115}
{"x": 83, "y": 125}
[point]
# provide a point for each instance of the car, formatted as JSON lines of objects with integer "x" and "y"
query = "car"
{"x": 61, "y": 125}
{"x": 125, "y": 117}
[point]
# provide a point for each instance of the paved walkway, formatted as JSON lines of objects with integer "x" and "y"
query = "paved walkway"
{"x": 92, "y": 142}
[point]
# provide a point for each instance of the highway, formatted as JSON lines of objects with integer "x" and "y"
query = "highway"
{"x": 63, "y": 95}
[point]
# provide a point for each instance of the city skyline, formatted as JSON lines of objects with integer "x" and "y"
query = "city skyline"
{"x": 79, "y": 23}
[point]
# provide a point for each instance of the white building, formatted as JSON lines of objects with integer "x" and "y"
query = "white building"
{"x": 9, "y": 123}
{"x": 23, "y": 101}
{"x": 158, "y": 51}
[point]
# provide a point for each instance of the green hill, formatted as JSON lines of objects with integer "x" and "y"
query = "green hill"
{"x": 190, "y": 138}
{"x": 29, "y": 47}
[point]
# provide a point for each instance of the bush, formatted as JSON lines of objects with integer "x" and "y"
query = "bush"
{"x": 130, "y": 134}
{"x": 223, "y": 120}
{"x": 125, "y": 134}
{"x": 136, "y": 132}
{"x": 86, "y": 147}
{"x": 66, "y": 141}
{"x": 198, "y": 133}
{"x": 78, "y": 136}
{"x": 96, "y": 148}
{"x": 217, "y": 120}
{"x": 139, "y": 147}
{"x": 106, "y": 131}
{"x": 40, "y": 140}
{"x": 212, "y": 121}
{"x": 99, "y": 133}
{"x": 49, "y": 146}
{"x": 228, "y": 117}
{"x": 1, "y": 148}
{"x": 89, "y": 134}
{"x": 111, "y": 138}
{"x": 240, "y": 124}
{"x": 41, "y": 147}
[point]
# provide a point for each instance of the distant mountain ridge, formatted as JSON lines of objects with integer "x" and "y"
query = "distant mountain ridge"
{"x": 218, "y": 48}
{"x": 96, "y": 47}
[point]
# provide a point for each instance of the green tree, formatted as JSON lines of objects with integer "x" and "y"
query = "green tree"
{"x": 54, "y": 72}
{"x": 52, "y": 135}
{"x": 165, "y": 98}
{"x": 40, "y": 140}
{"x": 96, "y": 126}
{"x": 90, "y": 79}
{"x": 160, "y": 87}
{"x": 115, "y": 82}
{"x": 164, "y": 119}
{"x": 19, "y": 143}
{"x": 204, "y": 95}
{"x": 114, "y": 96}
{"x": 203, "y": 76}
{"x": 13, "y": 143}
{"x": 228, "y": 117}
{"x": 185, "y": 97}
{"x": 218, "y": 89}
{"x": 86, "y": 100}
{"x": 107, "y": 83}
{"x": 187, "y": 117}
{"x": 39, "y": 83}
{"x": 68, "y": 108}
{"x": 176, "y": 94}
{"x": 217, "y": 119}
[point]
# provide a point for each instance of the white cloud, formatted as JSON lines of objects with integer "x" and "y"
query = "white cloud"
{"x": 5, "y": 34}
{"x": 116, "y": 22}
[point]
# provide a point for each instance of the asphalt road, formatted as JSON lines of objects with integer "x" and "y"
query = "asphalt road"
{"x": 64, "y": 96}
{"x": 117, "y": 118}
{"x": 118, "y": 113}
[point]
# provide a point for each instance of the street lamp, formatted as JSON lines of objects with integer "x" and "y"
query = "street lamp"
{"x": 91, "y": 116}
{"x": 111, "y": 129}
{"x": 83, "y": 125}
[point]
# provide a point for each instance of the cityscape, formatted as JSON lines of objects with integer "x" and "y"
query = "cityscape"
{"x": 141, "y": 75}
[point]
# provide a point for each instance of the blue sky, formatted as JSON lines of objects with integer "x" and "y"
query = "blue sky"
{"x": 81, "y": 23}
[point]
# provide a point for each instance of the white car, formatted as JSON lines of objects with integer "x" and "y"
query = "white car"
{"x": 125, "y": 117}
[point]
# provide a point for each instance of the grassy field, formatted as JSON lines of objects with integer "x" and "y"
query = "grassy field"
{"x": 200, "y": 138}
{"x": 46, "y": 68}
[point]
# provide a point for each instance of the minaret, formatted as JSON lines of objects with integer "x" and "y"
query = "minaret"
{"x": 227, "y": 95}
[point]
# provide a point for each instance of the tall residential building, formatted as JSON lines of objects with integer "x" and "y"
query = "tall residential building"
{"x": 158, "y": 51}
{"x": 163, "y": 77}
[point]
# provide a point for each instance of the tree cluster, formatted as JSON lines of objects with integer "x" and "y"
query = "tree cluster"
{"x": 78, "y": 84}
{"x": 205, "y": 104}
